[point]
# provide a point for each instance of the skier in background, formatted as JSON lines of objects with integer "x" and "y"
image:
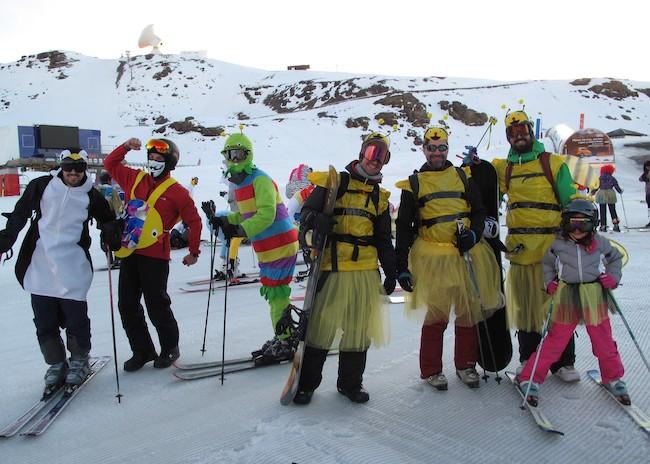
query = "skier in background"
{"x": 262, "y": 217}
{"x": 145, "y": 248}
{"x": 348, "y": 312}
{"x": 54, "y": 263}
{"x": 606, "y": 197}
{"x": 538, "y": 185}
{"x": 115, "y": 198}
{"x": 431, "y": 245}
{"x": 573, "y": 277}
{"x": 645, "y": 177}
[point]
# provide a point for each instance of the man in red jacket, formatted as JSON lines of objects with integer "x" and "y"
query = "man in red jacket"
{"x": 155, "y": 202}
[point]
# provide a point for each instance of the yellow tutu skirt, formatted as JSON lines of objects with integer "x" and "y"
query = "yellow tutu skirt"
{"x": 349, "y": 313}
{"x": 526, "y": 298}
{"x": 443, "y": 283}
{"x": 575, "y": 303}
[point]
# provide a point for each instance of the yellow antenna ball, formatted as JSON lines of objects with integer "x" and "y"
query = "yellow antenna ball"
{"x": 445, "y": 117}
{"x": 395, "y": 127}
{"x": 520, "y": 101}
{"x": 493, "y": 120}
{"x": 380, "y": 121}
{"x": 429, "y": 115}
{"x": 504, "y": 106}
{"x": 241, "y": 128}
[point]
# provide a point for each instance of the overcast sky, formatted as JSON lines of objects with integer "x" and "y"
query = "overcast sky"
{"x": 507, "y": 40}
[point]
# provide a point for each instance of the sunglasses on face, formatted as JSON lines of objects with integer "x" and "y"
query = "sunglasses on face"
{"x": 580, "y": 224}
{"x": 76, "y": 167}
{"x": 434, "y": 148}
{"x": 376, "y": 152}
{"x": 158, "y": 146}
{"x": 517, "y": 131}
{"x": 236, "y": 154}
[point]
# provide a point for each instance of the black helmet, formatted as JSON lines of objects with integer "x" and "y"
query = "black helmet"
{"x": 583, "y": 207}
{"x": 104, "y": 177}
{"x": 166, "y": 148}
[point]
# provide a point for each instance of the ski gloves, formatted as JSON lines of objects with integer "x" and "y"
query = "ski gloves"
{"x": 470, "y": 156}
{"x": 219, "y": 222}
{"x": 111, "y": 234}
{"x": 607, "y": 281}
{"x": 465, "y": 240}
{"x": 6, "y": 242}
{"x": 405, "y": 280}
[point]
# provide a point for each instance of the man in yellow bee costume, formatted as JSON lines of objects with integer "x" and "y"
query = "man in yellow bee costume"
{"x": 538, "y": 185}
{"x": 440, "y": 257}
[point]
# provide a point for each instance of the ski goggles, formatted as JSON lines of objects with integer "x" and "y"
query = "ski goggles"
{"x": 375, "y": 152}
{"x": 158, "y": 146}
{"x": 580, "y": 224}
{"x": 517, "y": 131}
{"x": 434, "y": 148}
{"x": 236, "y": 154}
{"x": 79, "y": 167}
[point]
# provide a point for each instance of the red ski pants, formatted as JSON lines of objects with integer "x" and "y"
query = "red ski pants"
{"x": 465, "y": 348}
{"x": 602, "y": 345}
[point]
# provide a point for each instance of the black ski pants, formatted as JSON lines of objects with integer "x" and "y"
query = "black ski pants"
{"x": 352, "y": 364}
{"x": 612, "y": 213}
{"x": 50, "y": 314}
{"x": 528, "y": 342}
{"x": 142, "y": 275}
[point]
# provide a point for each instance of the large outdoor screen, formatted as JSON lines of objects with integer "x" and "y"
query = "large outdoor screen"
{"x": 59, "y": 137}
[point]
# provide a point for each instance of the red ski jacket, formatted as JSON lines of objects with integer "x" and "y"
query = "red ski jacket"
{"x": 174, "y": 202}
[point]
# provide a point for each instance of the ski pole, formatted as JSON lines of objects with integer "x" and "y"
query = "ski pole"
{"x": 624, "y": 213}
{"x": 213, "y": 248}
{"x": 460, "y": 227}
{"x": 538, "y": 351}
{"x": 110, "y": 294}
{"x": 225, "y": 309}
{"x": 610, "y": 294}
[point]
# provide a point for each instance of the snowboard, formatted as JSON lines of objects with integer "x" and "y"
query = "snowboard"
{"x": 495, "y": 328}
{"x": 291, "y": 386}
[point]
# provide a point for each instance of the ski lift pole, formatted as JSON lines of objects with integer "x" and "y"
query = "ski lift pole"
{"x": 610, "y": 294}
{"x": 110, "y": 294}
{"x": 538, "y": 351}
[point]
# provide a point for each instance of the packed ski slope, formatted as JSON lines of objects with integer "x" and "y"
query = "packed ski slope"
{"x": 164, "y": 420}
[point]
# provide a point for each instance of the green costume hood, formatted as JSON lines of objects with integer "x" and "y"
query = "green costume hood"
{"x": 239, "y": 141}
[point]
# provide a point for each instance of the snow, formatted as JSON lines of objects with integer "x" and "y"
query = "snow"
{"x": 163, "y": 420}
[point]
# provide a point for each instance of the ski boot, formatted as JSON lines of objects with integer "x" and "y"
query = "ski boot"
{"x": 303, "y": 396}
{"x": 438, "y": 381}
{"x": 55, "y": 378}
{"x": 533, "y": 394}
{"x": 77, "y": 373}
{"x": 138, "y": 360}
{"x": 602, "y": 229}
{"x": 568, "y": 374}
{"x": 469, "y": 377}
{"x": 356, "y": 395}
{"x": 280, "y": 350}
{"x": 166, "y": 358}
{"x": 619, "y": 390}
{"x": 219, "y": 275}
{"x": 616, "y": 227}
{"x": 267, "y": 344}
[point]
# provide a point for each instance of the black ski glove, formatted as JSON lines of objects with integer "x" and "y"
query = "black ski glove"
{"x": 405, "y": 280}
{"x": 229, "y": 230}
{"x": 323, "y": 224}
{"x": 209, "y": 209}
{"x": 111, "y": 234}
{"x": 389, "y": 285}
{"x": 6, "y": 242}
{"x": 465, "y": 240}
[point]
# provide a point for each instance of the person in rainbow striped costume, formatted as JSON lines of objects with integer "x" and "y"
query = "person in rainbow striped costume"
{"x": 263, "y": 218}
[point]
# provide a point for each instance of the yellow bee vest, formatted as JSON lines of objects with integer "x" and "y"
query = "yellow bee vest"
{"x": 351, "y": 246}
{"x": 534, "y": 214}
{"x": 442, "y": 201}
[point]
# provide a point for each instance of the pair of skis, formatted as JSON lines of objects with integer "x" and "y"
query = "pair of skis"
{"x": 196, "y": 288}
{"x": 58, "y": 400}
{"x": 637, "y": 414}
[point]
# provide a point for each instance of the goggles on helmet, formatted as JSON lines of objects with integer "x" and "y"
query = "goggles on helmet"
{"x": 236, "y": 154}
{"x": 158, "y": 146}
{"x": 434, "y": 148}
{"x": 376, "y": 152}
{"x": 517, "y": 130}
{"x": 579, "y": 224}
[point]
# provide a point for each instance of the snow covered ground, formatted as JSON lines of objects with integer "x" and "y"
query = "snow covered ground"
{"x": 163, "y": 420}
